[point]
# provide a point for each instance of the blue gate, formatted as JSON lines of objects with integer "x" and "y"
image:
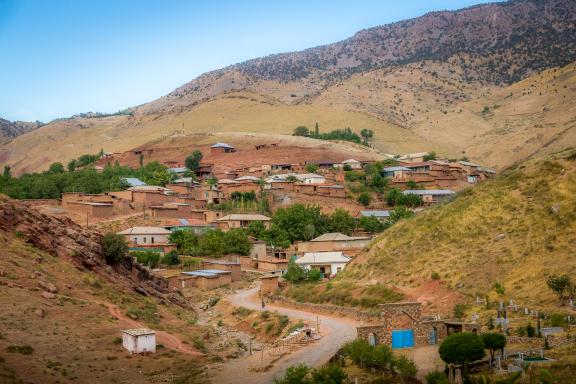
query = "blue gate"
{"x": 402, "y": 338}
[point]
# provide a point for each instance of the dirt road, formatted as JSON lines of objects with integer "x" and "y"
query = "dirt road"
{"x": 335, "y": 332}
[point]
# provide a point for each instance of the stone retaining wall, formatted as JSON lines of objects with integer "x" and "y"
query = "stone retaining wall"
{"x": 354, "y": 313}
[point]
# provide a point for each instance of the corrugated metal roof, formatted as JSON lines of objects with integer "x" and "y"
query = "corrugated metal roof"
{"x": 145, "y": 231}
{"x": 382, "y": 213}
{"x": 245, "y": 217}
{"x": 222, "y": 145}
{"x": 322, "y": 257}
{"x": 422, "y": 192}
{"x": 336, "y": 236}
{"x": 394, "y": 169}
{"x": 133, "y": 181}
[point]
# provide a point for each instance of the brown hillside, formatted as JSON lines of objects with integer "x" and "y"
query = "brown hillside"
{"x": 517, "y": 230}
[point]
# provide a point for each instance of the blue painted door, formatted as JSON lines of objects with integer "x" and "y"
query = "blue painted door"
{"x": 402, "y": 338}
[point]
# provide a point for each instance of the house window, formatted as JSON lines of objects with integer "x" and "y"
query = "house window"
{"x": 144, "y": 239}
{"x": 152, "y": 239}
{"x": 338, "y": 269}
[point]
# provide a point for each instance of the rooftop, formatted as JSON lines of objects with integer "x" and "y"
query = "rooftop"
{"x": 322, "y": 257}
{"x": 350, "y": 161}
{"x": 222, "y": 145}
{"x": 139, "y": 331}
{"x": 375, "y": 213}
{"x": 133, "y": 181}
{"x": 248, "y": 178}
{"x": 394, "y": 169}
{"x": 244, "y": 217}
{"x": 177, "y": 170}
{"x": 337, "y": 236}
{"x": 422, "y": 192}
{"x": 145, "y": 231}
{"x": 207, "y": 273}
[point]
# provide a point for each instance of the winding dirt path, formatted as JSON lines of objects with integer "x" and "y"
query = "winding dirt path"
{"x": 335, "y": 332}
{"x": 167, "y": 339}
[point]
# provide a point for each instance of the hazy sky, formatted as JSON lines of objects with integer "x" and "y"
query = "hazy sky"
{"x": 62, "y": 57}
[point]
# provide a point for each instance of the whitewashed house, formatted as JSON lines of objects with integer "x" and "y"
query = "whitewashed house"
{"x": 311, "y": 178}
{"x": 329, "y": 263}
{"x": 139, "y": 340}
{"x": 352, "y": 163}
{"x": 146, "y": 235}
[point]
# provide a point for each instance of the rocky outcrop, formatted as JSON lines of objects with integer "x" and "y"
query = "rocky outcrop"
{"x": 65, "y": 239}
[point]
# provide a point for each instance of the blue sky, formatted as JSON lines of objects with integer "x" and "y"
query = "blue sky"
{"x": 62, "y": 57}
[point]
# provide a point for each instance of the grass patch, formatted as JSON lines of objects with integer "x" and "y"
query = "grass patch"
{"x": 22, "y": 349}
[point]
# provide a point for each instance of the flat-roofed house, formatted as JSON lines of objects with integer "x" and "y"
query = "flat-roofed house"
{"x": 335, "y": 241}
{"x": 329, "y": 263}
{"x": 139, "y": 340}
{"x": 141, "y": 238}
{"x": 311, "y": 178}
{"x": 241, "y": 220}
{"x": 431, "y": 196}
{"x": 224, "y": 265}
{"x": 397, "y": 172}
{"x": 205, "y": 278}
{"x": 413, "y": 157}
{"x": 352, "y": 163}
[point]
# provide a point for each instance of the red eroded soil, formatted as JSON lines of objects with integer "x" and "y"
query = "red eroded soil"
{"x": 435, "y": 297}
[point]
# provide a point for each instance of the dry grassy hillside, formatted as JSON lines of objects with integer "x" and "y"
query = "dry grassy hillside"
{"x": 234, "y": 112}
{"x": 533, "y": 117}
{"x": 516, "y": 230}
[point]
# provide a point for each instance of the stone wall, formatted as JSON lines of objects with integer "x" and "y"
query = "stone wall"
{"x": 353, "y": 313}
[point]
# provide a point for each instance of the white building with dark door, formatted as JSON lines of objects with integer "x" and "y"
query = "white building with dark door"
{"x": 146, "y": 235}
{"x": 329, "y": 263}
{"x": 139, "y": 340}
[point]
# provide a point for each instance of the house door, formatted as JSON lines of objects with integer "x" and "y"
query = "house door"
{"x": 402, "y": 338}
{"x": 433, "y": 336}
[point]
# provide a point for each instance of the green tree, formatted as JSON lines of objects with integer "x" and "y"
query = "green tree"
{"x": 430, "y": 156}
{"x": 192, "y": 162}
{"x": 141, "y": 160}
{"x": 493, "y": 341}
{"x": 314, "y": 275}
{"x": 364, "y": 198}
{"x": 212, "y": 243}
{"x": 561, "y": 285}
{"x": 72, "y": 165}
{"x": 114, "y": 248}
{"x": 293, "y": 221}
{"x": 400, "y": 213}
{"x": 296, "y": 374}
{"x": 329, "y": 374}
{"x": 256, "y": 229}
{"x": 301, "y": 131}
{"x": 56, "y": 168}
{"x": 316, "y": 130}
{"x": 294, "y": 273}
{"x": 460, "y": 349}
{"x": 341, "y": 221}
{"x": 367, "y": 135}
{"x": 6, "y": 174}
{"x": 153, "y": 259}
{"x": 171, "y": 258}
{"x": 236, "y": 241}
{"x": 292, "y": 179}
{"x": 185, "y": 240}
{"x": 371, "y": 224}
{"x": 311, "y": 167}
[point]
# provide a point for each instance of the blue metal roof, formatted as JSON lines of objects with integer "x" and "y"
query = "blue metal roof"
{"x": 184, "y": 222}
{"x": 393, "y": 169}
{"x": 177, "y": 170}
{"x": 133, "y": 181}
{"x": 209, "y": 273}
{"x": 222, "y": 145}
{"x": 382, "y": 213}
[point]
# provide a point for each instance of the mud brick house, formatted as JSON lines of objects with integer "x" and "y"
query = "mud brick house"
{"x": 204, "y": 170}
{"x": 352, "y": 163}
{"x": 331, "y": 190}
{"x": 205, "y": 278}
{"x": 241, "y": 220}
{"x": 269, "y": 284}
{"x": 212, "y": 216}
{"x": 149, "y": 195}
{"x": 222, "y": 148}
{"x": 431, "y": 196}
{"x": 92, "y": 209}
{"x": 330, "y": 242}
{"x": 223, "y": 265}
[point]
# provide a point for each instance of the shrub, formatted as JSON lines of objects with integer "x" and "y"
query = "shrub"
{"x": 405, "y": 367}
{"x": 461, "y": 348}
{"x": 460, "y": 310}
{"x": 114, "y": 248}
{"x": 314, "y": 275}
{"x": 493, "y": 341}
{"x": 241, "y": 311}
{"x": 117, "y": 340}
{"x": 329, "y": 374}
{"x": 435, "y": 276}
{"x": 364, "y": 198}
{"x": 557, "y": 320}
{"x": 22, "y": 349}
{"x": 436, "y": 377}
